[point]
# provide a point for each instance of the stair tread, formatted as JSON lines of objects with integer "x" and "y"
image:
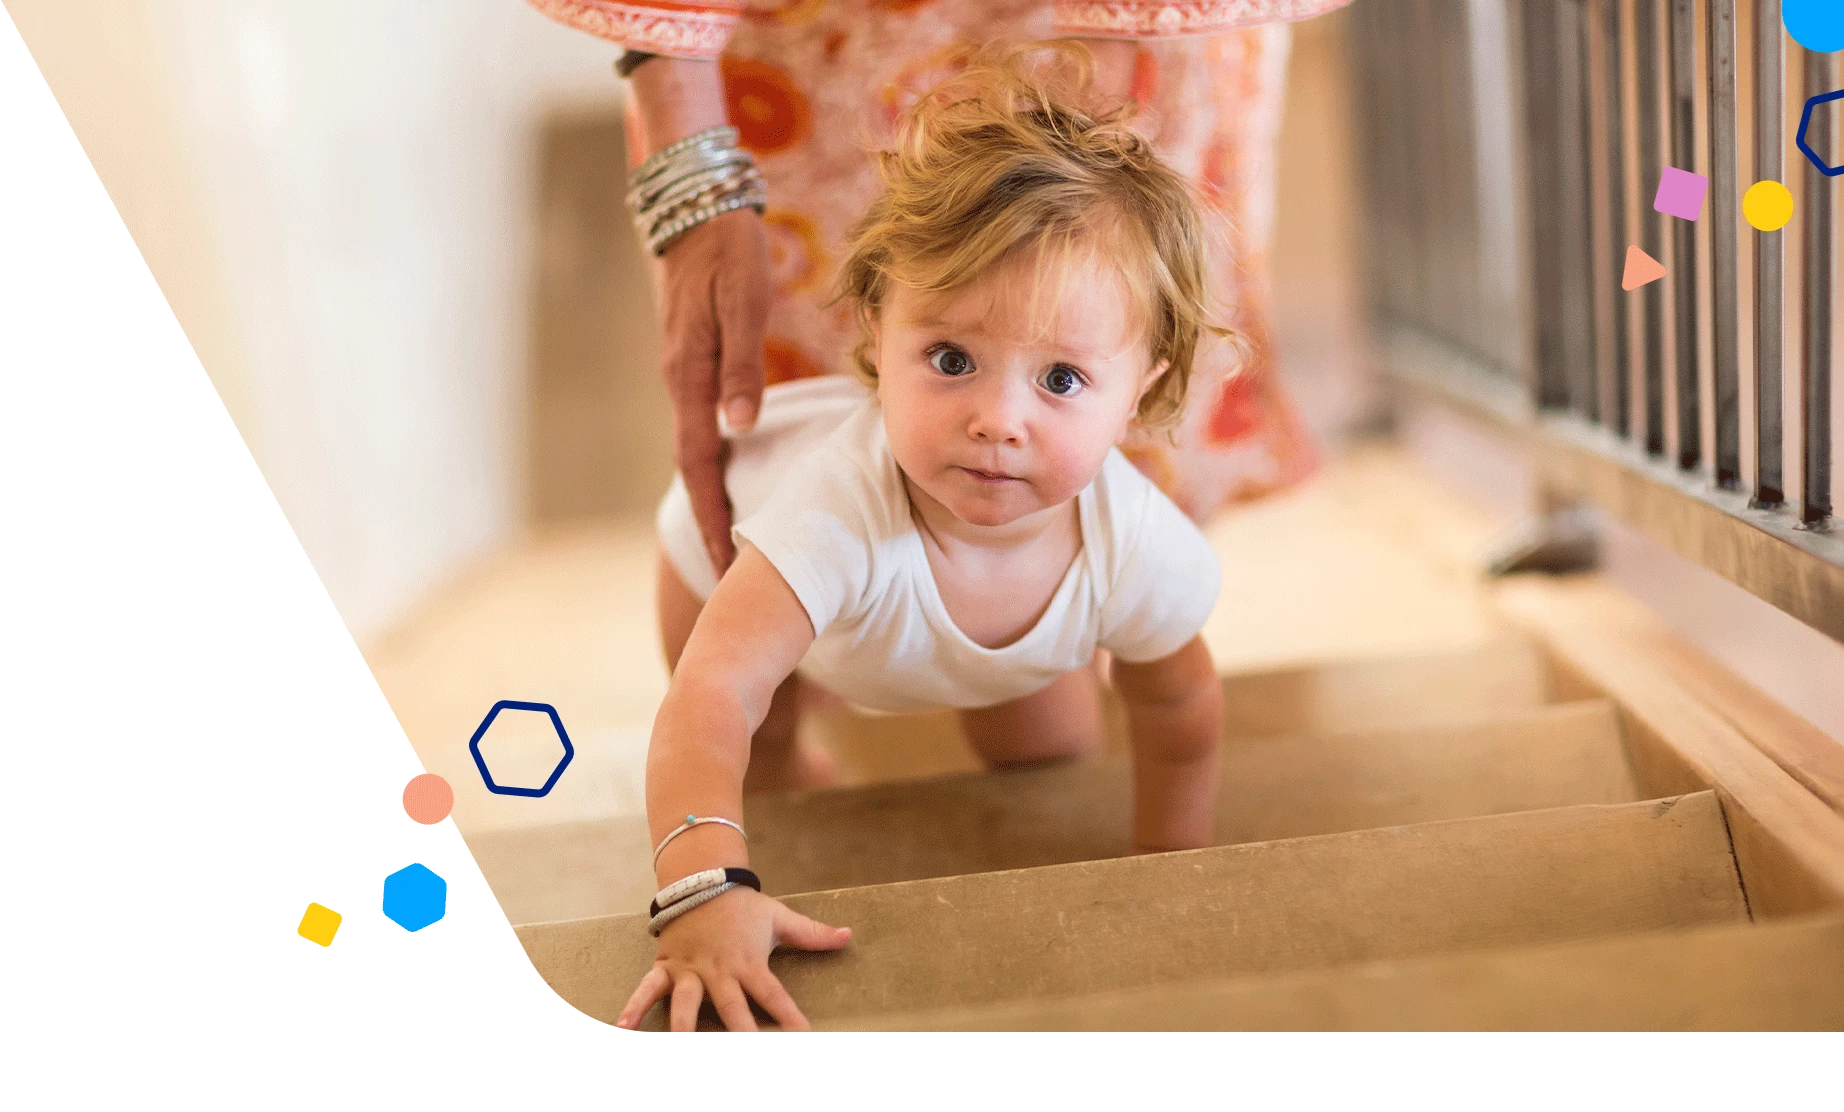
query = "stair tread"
{"x": 1272, "y": 788}
{"x": 1295, "y": 904}
{"x": 1783, "y": 975}
{"x": 1407, "y": 690}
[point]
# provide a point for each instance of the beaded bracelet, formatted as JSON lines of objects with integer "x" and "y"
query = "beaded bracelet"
{"x": 691, "y": 821}
{"x": 752, "y": 198}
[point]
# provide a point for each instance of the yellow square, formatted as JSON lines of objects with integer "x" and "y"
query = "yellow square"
{"x": 319, "y": 924}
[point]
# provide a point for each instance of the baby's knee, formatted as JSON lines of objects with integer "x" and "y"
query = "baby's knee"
{"x": 1063, "y": 722}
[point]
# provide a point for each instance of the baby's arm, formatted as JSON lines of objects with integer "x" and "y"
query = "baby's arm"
{"x": 748, "y": 638}
{"x": 1175, "y": 716}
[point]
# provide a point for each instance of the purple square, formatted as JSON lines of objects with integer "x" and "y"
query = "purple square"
{"x": 1680, "y": 193}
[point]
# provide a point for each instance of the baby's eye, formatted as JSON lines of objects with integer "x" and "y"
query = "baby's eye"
{"x": 950, "y": 361}
{"x": 1063, "y": 381}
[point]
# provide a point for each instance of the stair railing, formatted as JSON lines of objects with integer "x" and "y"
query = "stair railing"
{"x": 1511, "y": 151}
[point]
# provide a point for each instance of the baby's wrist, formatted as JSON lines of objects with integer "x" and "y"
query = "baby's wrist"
{"x": 706, "y": 846}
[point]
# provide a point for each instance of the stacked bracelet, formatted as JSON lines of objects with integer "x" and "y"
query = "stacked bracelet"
{"x": 695, "y": 891}
{"x": 680, "y": 186}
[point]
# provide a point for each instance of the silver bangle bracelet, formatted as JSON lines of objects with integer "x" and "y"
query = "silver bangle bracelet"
{"x": 691, "y": 185}
{"x": 691, "y": 821}
{"x": 723, "y": 133}
{"x": 647, "y": 194}
{"x": 668, "y": 914}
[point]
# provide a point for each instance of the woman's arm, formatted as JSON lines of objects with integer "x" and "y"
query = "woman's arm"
{"x": 1175, "y": 716}
{"x": 748, "y": 638}
{"x": 715, "y": 296}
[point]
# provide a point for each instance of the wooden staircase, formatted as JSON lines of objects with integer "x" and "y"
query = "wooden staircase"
{"x": 1561, "y": 829}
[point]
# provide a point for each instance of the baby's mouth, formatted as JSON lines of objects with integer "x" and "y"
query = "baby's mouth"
{"x": 988, "y": 476}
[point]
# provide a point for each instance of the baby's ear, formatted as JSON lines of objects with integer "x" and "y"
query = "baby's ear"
{"x": 1152, "y": 376}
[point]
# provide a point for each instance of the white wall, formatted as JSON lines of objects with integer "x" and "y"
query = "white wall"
{"x": 365, "y": 171}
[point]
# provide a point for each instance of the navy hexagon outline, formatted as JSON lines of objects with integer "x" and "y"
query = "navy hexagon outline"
{"x": 480, "y": 762}
{"x": 1805, "y": 121}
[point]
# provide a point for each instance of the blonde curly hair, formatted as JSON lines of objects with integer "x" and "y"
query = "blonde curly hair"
{"x": 1012, "y": 154}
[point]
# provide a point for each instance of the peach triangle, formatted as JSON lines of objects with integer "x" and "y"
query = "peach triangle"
{"x": 1640, "y": 269}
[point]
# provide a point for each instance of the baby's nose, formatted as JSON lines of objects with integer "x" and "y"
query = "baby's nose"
{"x": 1000, "y": 416}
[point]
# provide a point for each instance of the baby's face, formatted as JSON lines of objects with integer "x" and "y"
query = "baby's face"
{"x": 972, "y": 387}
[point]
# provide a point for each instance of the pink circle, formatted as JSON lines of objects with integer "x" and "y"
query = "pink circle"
{"x": 428, "y": 799}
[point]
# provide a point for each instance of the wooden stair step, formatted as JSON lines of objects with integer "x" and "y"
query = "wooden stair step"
{"x": 1266, "y": 907}
{"x": 1787, "y": 975}
{"x": 979, "y": 822}
{"x": 1397, "y": 691}
{"x": 1280, "y": 787}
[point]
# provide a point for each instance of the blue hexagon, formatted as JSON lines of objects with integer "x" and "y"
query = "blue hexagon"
{"x": 1805, "y": 121}
{"x": 480, "y": 762}
{"x": 414, "y": 897}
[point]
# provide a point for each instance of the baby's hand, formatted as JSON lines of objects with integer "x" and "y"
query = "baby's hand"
{"x": 721, "y": 950}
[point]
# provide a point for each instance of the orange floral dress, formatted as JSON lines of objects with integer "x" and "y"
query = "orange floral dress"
{"x": 814, "y": 85}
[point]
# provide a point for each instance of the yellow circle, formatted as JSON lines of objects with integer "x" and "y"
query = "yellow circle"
{"x": 1767, "y": 206}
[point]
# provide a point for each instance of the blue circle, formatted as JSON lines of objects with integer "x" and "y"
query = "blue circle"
{"x": 1817, "y": 25}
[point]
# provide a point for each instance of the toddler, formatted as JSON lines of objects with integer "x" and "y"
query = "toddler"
{"x": 956, "y": 526}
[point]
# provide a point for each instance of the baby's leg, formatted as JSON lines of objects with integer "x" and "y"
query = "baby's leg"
{"x": 776, "y": 762}
{"x": 1060, "y": 722}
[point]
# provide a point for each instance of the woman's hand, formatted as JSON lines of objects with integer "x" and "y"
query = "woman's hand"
{"x": 716, "y": 296}
{"x": 721, "y": 950}
{"x": 717, "y": 292}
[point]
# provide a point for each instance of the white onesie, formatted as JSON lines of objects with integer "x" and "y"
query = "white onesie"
{"x": 813, "y": 486}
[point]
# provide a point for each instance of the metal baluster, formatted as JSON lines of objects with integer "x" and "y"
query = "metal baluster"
{"x": 1683, "y": 70}
{"x": 1651, "y": 227}
{"x": 1404, "y": 263}
{"x": 1366, "y": 92}
{"x": 1459, "y": 172}
{"x": 1769, "y": 255}
{"x": 1545, "y": 196}
{"x": 1815, "y": 505}
{"x": 1725, "y": 247}
{"x": 1613, "y": 18}
{"x": 1572, "y": 175}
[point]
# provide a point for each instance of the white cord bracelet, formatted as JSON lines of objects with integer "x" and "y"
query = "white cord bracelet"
{"x": 688, "y": 886}
{"x": 691, "y": 821}
{"x": 667, "y": 915}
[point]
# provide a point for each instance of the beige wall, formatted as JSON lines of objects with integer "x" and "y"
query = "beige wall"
{"x": 338, "y": 200}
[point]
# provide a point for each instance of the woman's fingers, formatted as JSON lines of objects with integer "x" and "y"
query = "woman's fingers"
{"x": 732, "y": 1006}
{"x": 646, "y": 994}
{"x": 794, "y": 929}
{"x": 766, "y": 989}
{"x": 687, "y": 994}
{"x": 710, "y": 503}
{"x": 744, "y": 291}
{"x": 690, "y": 354}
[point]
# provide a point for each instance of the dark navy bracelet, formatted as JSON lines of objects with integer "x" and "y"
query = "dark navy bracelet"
{"x": 626, "y": 64}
